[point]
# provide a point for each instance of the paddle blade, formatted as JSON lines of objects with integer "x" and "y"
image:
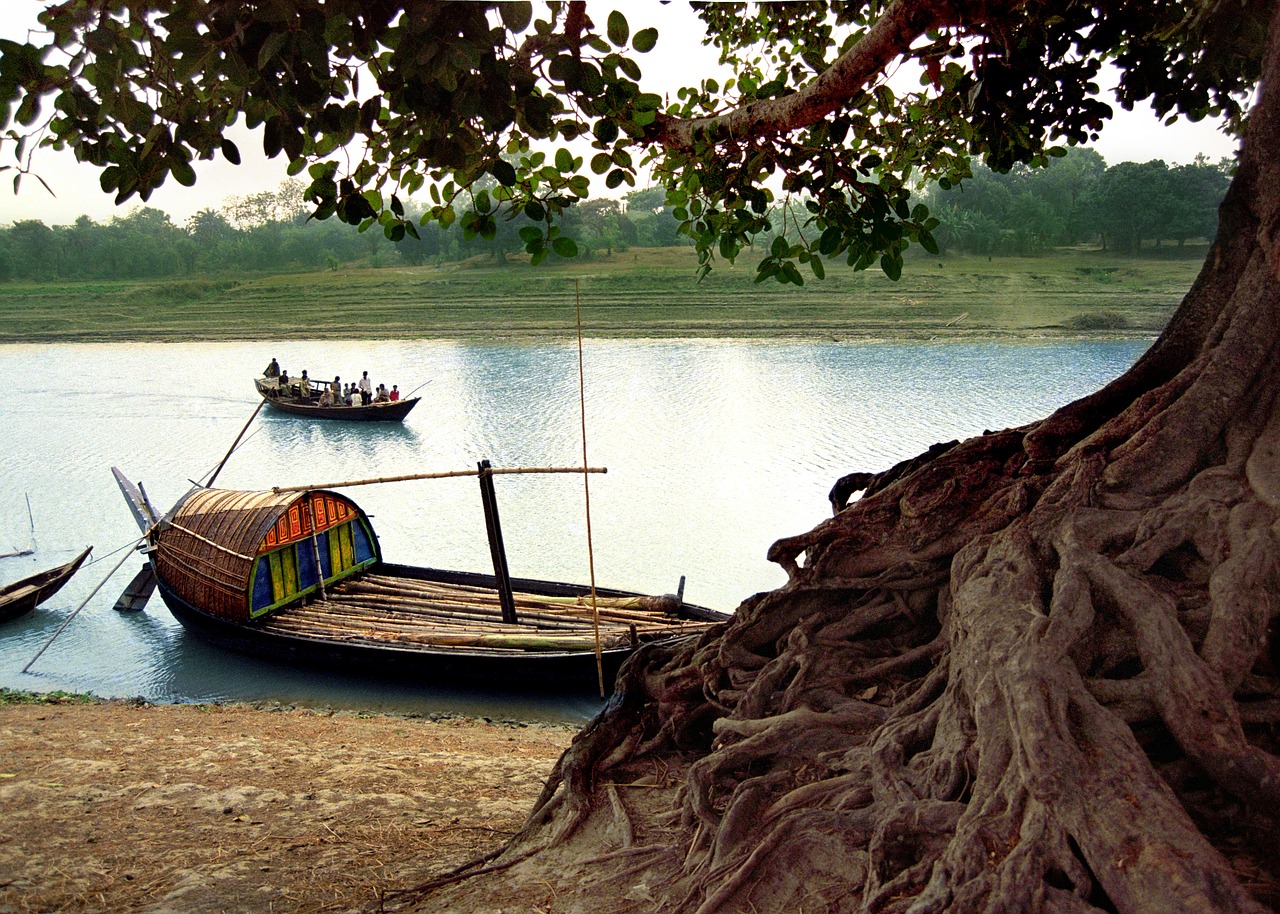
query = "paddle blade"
{"x": 135, "y": 596}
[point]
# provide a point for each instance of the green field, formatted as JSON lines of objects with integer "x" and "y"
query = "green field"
{"x": 638, "y": 293}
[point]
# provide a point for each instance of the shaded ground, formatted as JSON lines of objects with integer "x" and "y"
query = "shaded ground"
{"x": 113, "y": 806}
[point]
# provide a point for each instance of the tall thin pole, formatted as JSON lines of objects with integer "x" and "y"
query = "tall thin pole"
{"x": 586, "y": 489}
{"x": 232, "y": 449}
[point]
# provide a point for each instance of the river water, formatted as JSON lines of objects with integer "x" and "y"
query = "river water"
{"x": 714, "y": 449}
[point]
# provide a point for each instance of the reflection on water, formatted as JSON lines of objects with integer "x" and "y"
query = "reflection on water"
{"x": 714, "y": 449}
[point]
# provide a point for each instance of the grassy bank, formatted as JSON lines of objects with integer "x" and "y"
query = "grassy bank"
{"x": 638, "y": 293}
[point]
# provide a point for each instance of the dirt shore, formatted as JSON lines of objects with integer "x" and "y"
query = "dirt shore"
{"x": 118, "y": 806}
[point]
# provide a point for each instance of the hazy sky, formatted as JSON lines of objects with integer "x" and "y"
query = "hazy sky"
{"x": 1131, "y": 136}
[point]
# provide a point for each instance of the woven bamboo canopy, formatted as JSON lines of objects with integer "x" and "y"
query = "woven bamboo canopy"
{"x": 209, "y": 549}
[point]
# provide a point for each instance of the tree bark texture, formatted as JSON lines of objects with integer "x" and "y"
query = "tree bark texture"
{"x": 1036, "y": 670}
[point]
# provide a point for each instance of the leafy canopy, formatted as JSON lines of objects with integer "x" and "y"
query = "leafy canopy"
{"x": 479, "y": 104}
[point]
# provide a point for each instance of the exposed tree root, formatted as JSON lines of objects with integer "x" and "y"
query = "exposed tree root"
{"x": 1037, "y": 670}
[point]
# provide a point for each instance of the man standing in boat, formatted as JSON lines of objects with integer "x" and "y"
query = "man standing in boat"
{"x": 366, "y": 389}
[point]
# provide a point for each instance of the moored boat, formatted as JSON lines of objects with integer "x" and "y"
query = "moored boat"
{"x": 291, "y": 400}
{"x": 299, "y": 576}
{"x": 20, "y": 597}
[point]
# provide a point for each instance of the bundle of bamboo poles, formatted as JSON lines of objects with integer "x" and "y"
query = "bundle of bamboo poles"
{"x": 407, "y": 612}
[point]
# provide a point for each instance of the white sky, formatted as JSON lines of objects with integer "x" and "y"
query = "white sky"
{"x": 679, "y": 58}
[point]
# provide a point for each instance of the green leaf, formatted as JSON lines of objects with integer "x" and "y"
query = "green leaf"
{"x": 618, "y": 29}
{"x": 230, "y": 152}
{"x": 564, "y": 160}
{"x": 645, "y": 40}
{"x": 182, "y": 173}
{"x": 565, "y": 247}
{"x": 516, "y": 16}
{"x": 504, "y": 172}
{"x": 892, "y": 266}
{"x": 601, "y": 162}
{"x": 605, "y": 131}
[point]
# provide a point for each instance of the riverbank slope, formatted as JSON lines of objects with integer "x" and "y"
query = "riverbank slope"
{"x": 637, "y": 293}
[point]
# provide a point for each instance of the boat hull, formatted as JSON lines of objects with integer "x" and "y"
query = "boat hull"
{"x": 374, "y": 412}
{"x": 21, "y": 597}
{"x": 540, "y": 671}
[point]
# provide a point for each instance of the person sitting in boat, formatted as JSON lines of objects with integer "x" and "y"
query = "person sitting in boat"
{"x": 282, "y": 385}
{"x": 353, "y": 396}
{"x": 395, "y": 393}
{"x": 326, "y": 397}
{"x": 273, "y": 370}
{"x": 383, "y": 396}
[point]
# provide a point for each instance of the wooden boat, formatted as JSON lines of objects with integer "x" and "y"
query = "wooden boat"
{"x": 287, "y": 402}
{"x": 20, "y": 597}
{"x": 299, "y": 576}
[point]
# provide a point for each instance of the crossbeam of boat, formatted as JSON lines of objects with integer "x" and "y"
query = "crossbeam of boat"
{"x": 488, "y": 498}
{"x": 446, "y": 474}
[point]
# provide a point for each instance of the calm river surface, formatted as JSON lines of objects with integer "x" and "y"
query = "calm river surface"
{"x": 714, "y": 449}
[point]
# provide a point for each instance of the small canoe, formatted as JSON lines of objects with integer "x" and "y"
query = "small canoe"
{"x": 287, "y": 402}
{"x": 20, "y": 597}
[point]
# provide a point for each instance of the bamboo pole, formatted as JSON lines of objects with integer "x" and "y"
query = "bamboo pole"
{"x": 586, "y": 487}
{"x": 391, "y": 606}
{"x": 447, "y": 474}
{"x": 232, "y": 449}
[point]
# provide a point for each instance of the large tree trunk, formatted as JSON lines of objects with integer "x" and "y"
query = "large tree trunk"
{"x": 1035, "y": 671}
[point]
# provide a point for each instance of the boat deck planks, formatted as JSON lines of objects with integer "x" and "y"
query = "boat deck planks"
{"x": 378, "y": 609}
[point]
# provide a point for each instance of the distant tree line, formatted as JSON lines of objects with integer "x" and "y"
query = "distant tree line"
{"x": 1076, "y": 199}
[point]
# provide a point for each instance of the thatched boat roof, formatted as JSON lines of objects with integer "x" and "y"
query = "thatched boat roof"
{"x": 208, "y": 549}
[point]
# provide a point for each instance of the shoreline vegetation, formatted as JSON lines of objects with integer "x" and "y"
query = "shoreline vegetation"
{"x": 639, "y": 293}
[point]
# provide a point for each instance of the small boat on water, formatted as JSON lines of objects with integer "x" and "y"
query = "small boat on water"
{"x": 298, "y": 575}
{"x": 20, "y": 597}
{"x": 291, "y": 400}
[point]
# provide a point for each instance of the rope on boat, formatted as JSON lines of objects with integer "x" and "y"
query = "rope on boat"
{"x": 67, "y": 621}
{"x": 586, "y": 489}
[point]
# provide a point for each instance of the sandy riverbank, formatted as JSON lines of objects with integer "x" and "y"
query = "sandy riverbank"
{"x": 117, "y": 806}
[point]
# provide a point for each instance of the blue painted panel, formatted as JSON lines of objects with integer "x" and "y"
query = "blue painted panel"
{"x": 261, "y": 598}
{"x": 363, "y": 543}
{"x": 306, "y": 564}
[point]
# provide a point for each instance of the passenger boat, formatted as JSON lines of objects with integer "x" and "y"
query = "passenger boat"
{"x": 299, "y": 576}
{"x": 20, "y": 597}
{"x": 286, "y": 401}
